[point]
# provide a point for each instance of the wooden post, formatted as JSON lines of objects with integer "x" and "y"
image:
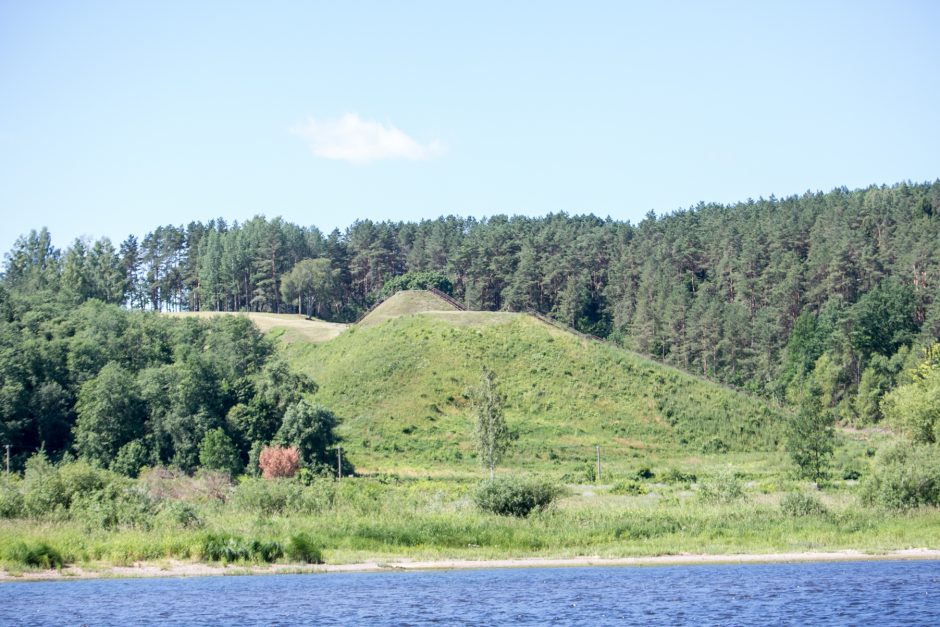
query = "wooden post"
{"x": 339, "y": 462}
{"x": 8, "y": 459}
{"x": 597, "y": 477}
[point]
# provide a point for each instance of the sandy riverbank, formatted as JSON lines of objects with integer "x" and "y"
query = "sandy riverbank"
{"x": 175, "y": 568}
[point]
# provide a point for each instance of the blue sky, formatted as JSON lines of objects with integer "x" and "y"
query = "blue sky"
{"x": 118, "y": 117}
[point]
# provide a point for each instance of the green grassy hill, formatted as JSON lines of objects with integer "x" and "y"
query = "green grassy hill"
{"x": 400, "y": 386}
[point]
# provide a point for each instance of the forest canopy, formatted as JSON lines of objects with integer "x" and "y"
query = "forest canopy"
{"x": 834, "y": 291}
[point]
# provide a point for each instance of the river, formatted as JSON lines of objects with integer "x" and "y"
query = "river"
{"x": 850, "y": 593}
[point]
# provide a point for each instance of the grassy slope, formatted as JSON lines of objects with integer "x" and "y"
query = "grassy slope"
{"x": 290, "y": 327}
{"x": 399, "y": 387}
{"x": 405, "y": 303}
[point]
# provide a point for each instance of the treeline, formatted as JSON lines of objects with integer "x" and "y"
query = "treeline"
{"x": 753, "y": 294}
{"x": 127, "y": 389}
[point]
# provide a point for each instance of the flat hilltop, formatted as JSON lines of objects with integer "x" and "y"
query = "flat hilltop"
{"x": 289, "y": 327}
{"x": 405, "y": 303}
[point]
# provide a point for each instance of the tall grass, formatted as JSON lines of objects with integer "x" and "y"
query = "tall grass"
{"x": 385, "y": 518}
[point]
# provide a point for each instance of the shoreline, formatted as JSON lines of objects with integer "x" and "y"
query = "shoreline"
{"x": 177, "y": 568}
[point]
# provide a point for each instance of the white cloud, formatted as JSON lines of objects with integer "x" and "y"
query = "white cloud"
{"x": 353, "y": 139}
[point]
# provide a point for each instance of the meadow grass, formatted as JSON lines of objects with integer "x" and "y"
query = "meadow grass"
{"x": 388, "y": 518}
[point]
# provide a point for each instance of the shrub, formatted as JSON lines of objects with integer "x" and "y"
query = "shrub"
{"x": 723, "y": 487}
{"x": 904, "y": 476}
{"x": 164, "y": 484}
{"x": 48, "y": 491}
{"x": 585, "y": 473}
{"x": 676, "y": 476}
{"x": 511, "y": 496}
{"x": 798, "y": 504}
{"x": 223, "y": 547}
{"x": 303, "y": 548}
{"x": 11, "y": 499}
{"x": 284, "y": 495}
{"x": 39, "y": 554}
{"x": 131, "y": 458}
{"x": 644, "y": 474}
{"x": 714, "y": 445}
{"x": 43, "y": 493}
{"x": 180, "y": 514}
{"x": 851, "y": 474}
{"x": 211, "y": 485}
{"x": 629, "y": 487}
{"x": 267, "y": 497}
{"x": 117, "y": 504}
{"x": 277, "y": 461}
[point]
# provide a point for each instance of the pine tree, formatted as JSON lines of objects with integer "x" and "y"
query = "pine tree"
{"x": 811, "y": 437}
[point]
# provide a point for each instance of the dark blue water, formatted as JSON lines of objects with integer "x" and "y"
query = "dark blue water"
{"x": 856, "y": 593}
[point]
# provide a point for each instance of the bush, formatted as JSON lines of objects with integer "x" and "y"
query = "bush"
{"x": 797, "y": 504}
{"x": 223, "y": 547}
{"x": 48, "y": 491}
{"x": 303, "y": 548}
{"x": 180, "y": 514}
{"x": 131, "y": 458}
{"x": 714, "y": 445}
{"x": 644, "y": 474}
{"x": 723, "y": 487}
{"x": 267, "y": 496}
{"x": 851, "y": 474}
{"x": 586, "y": 473}
{"x": 676, "y": 476}
{"x": 117, "y": 504}
{"x": 277, "y": 461}
{"x": 39, "y": 554}
{"x": 11, "y": 499}
{"x": 511, "y": 496}
{"x": 904, "y": 476}
{"x": 629, "y": 487}
{"x": 277, "y": 496}
{"x": 43, "y": 492}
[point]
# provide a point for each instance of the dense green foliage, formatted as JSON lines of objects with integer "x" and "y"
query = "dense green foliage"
{"x": 309, "y": 428}
{"x": 512, "y": 496}
{"x": 811, "y": 437}
{"x": 914, "y": 407}
{"x": 127, "y": 389}
{"x": 426, "y": 280}
{"x": 905, "y": 476}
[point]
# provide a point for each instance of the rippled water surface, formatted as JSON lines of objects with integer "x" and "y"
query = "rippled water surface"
{"x": 868, "y": 593}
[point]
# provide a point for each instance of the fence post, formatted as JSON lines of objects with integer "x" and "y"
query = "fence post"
{"x": 597, "y": 477}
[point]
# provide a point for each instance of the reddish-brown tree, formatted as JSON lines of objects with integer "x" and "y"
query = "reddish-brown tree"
{"x": 277, "y": 461}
